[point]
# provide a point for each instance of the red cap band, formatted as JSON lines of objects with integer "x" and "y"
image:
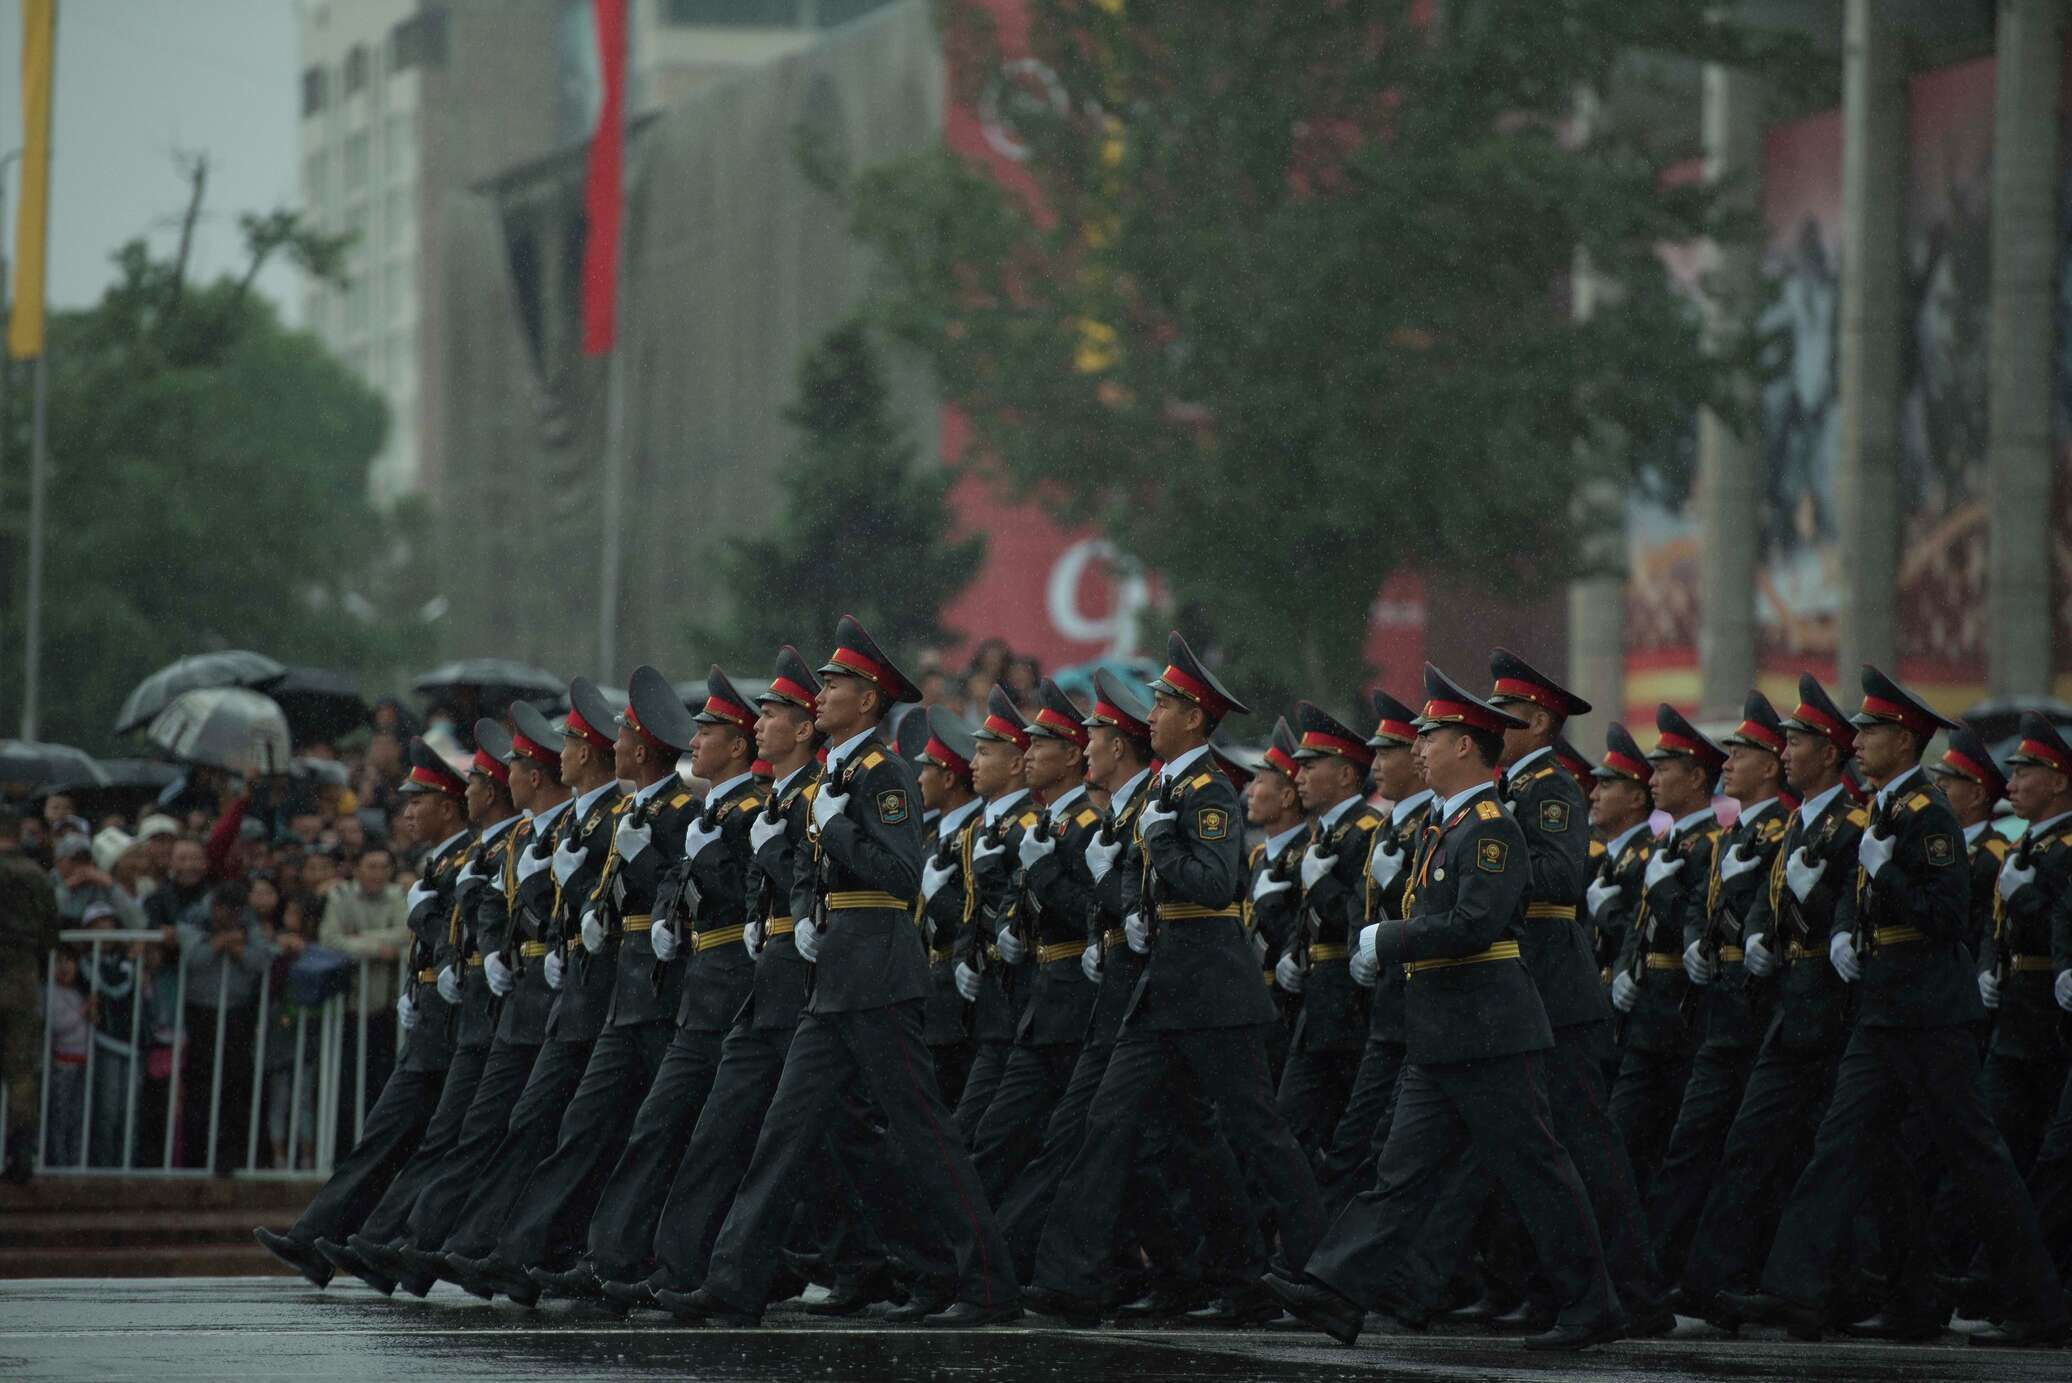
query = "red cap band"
{"x": 943, "y": 757}
{"x": 494, "y": 767}
{"x": 1761, "y": 734}
{"x": 2048, "y": 753}
{"x": 533, "y": 749}
{"x": 1970, "y": 768}
{"x": 792, "y": 692}
{"x": 1009, "y": 731}
{"x": 641, "y": 730}
{"x": 1528, "y": 691}
{"x": 1640, "y": 770}
{"x": 1843, "y": 736}
{"x": 1122, "y": 720}
{"x": 1397, "y": 730}
{"x": 1904, "y": 715}
{"x": 1280, "y": 762}
{"x": 1199, "y": 692}
{"x": 1683, "y": 744}
{"x": 762, "y": 768}
{"x": 863, "y": 666}
{"x": 1354, "y": 750}
{"x": 732, "y": 712}
{"x": 1063, "y": 724}
{"x": 582, "y": 728}
{"x": 432, "y": 778}
{"x": 1463, "y": 713}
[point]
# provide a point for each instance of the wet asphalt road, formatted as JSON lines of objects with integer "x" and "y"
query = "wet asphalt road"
{"x": 166, "y": 1329}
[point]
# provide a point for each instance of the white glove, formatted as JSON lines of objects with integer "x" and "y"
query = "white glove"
{"x": 1697, "y": 965}
{"x": 1366, "y": 966}
{"x": 1315, "y": 865}
{"x": 1385, "y": 864}
{"x": 1988, "y": 989}
{"x": 1624, "y": 992}
{"x": 1012, "y": 949}
{"x": 2063, "y": 990}
{"x": 806, "y": 937}
{"x": 763, "y": 830}
{"x": 1155, "y": 815}
{"x": 406, "y": 1012}
{"x": 1090, "y": 964}
{"x": 501, "y": 980}
{"x": 1036, "y": 846}
{"x": 1266, "y": 885}
{"x": 983, "y": 849}
{"x": 663, "y": 941}
{"x": 967, "y": 982}
{"x": 567, "y": 860}
{"x": 698, "y": 837}
{"x": 593, "y": 932}
{"x": 752, "y": 937}
{"x": 1288, "y": 975}
{"x": 1756, "y": 958}
{"x": 2013, "y": 879}
{"x": 1600, "y": 892}
{"x": 420, "y": 893}
{"x": 553, "y": 969}
{"x": 1661, "y": 866}
{"x": 531, "y": 862}
{"x": 933, "y": 878}
{"x": 1802, "y": 874}
{"x": 1137, "y": 931}
{"x": 1101, "y": 858}
{"x": 1736, "y": 862}
{"x": 827, "y": 806}
{"x": 1874, "y": 851}
{"x": 449, "y": 985}
{"x": 630, "y": 839}
{"x": 1841, "y": 953}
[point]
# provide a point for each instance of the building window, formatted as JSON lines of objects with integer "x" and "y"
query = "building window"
{"x": 733, "y": 14}
{"x": 313, "y": 91}
{"x": 400, "y": 148}
{"x": 419, "y": 41}
{"x": 316, "y": 180}
{"x": 356, "y": 69}
{"x": 356, "y": 162}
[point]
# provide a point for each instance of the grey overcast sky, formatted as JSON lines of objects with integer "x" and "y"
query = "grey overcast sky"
{"x": 137, "y": 80}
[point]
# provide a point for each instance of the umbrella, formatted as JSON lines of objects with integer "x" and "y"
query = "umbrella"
{"x": 126, "y": 786}
{"x": 33, "y": 763}
{"x": 233, "y": 667}
{"x": 225, "y": 727}
{"x": 321, "y": 705}
{"x": 484, "y": 686}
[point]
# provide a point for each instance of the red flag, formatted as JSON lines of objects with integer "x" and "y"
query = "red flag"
{"x": 601, "y": 183}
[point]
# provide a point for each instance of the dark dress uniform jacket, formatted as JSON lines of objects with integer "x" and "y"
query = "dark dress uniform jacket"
{"x": 1465, "y": 899}
{"x": 1668, "y": 912}
{"x": 524, "y": 1019}
{"x": 1056, "y": 896}
{"x": 990, "y": 897}
{"x": 586, "y": 985}
{"x": 1551, "y": 811}
{"x": 1735, "y": 1002}
{"x": 782, "y": 884}
{"x": 1202, "y": 972}
{"x": 641, "y": 890}
{"x": 942, "y": 925}
{"x": 1274, "y": 917}
{"x": 1334, "y": 1008}
{"x": 2026, "y": 931}
{"x": 1812, "y": 1002}
{"x": 1115, "y": 897}
{"x": 718, "y": 971}
{"x": 1988, "y": 853}
{"x": 870, "y": 956}
{"x": 1385, "y": 1004}
{"x": 1614, "y": 924}
{"x": 429, "y": 1045}
{"x": 1908, "y": 924}
{"x": 485, "y": 919}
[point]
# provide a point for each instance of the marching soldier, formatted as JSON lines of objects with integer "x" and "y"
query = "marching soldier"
{"x": 1651, "y": 988}
{"x": 1973, "y": 784}
{"x": 1272, "y": 906}
{"x": 944, "y": 771}
{"x": 1896, "y": 938}
{"x": 1478, "y": 1033}
{"x": 1620, "y": 806}
{"x": 988, "y": 971}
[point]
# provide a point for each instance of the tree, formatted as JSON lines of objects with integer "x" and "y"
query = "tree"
{"x": 863, "y": 531}
{"x": 1288, "y": 309}
{"x": 208, "y": 487}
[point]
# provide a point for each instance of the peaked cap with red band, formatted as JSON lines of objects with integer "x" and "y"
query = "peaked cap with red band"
{"x": 1186, "y": 678}
{"x": 1118, "y": 708}
{"x": 589, "y": 714}
{"x": 654, "y": 710}
{"x": 2042, "y": 744}
{"x": 1622, "y": 758}
{"x": 1565, "y": 754}
{"x": 1447, "y": 703}
{"x": 724, "y": 705}
{"x": 1324, "y": 734}
{"x": 793, "y": 683}
{"x": 857, "y": 655}
{"x": 533, "y": 736}
{"x": 950, "y": 742}
{"x": 492, "y": 751}
{"x": 1967, "y": 757}
{"x": 430, "y": 773}
{"x": 1240, "y": 777}
{"x": 762, "y": 770}
{"x": 1517, "y": 680}
{"x": 1760, "y": 727}
{"x": 1003, "y": 723}
{"x": 1676, "y": 737}
{"x": 1056, "y": 717}
{"x": 1395, "y": 723}
{"x": 910, "y": 732}
{"x": 1817, "y": 714}
{"x": 1281, "y": 755}
{"x": 1885, "y": 702}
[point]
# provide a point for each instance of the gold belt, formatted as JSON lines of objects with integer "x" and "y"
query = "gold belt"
{"x": 1658, "y": 961}
{"x": 1798, "y": 952}
{"x": 1063, "y": 950}
{"x": 718, "y": 936}
{"x": 1893, "y": 936}
{"x": 866, "y": 898}
{"x": 938, "y": 957}
{"x": 2029, "y": 964}
{"x": 428, "y": 976}
{"x": 993, "y": 954}
{"x": 779, "y": 926}
{"x": 533, "y": 949}
{"x": 1267, "y": 975}
{"x": 1329, "y": 950}
{"x": 475, "y": 961}
{"x": 1565, "y": 912}
{"x": 1730, "y": 954}
{"x": 1111, "y": 940}
{"x": 569, "y": 946}
{"x": 640, "y": 922}
{"x": 1192, "y": 912}
{"x": 1502, "y": 950}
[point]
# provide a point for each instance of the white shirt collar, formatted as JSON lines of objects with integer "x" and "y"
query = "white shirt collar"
{"x": 1618, "y": 842}
{"x": 1754, "y": 810}
{"x": 1402, "y": 810}
{"x": 839, "y": 755}
{"x": 1330, "y": 817}
{"x": 1696, "y": 819}
{"x": 1884, "y": 793}
{"x": 1119, "y": 800}
{"x": 447, "y": 844}
{"x": 1974, "y": 831}
{"x": 589, "y": 799}
{"x": 785, "y": 781}
{"x": 1525, "y": 761}
{"x": 1078, "y": 791}
{"x": 1812, "y": 807}
{"x": 1276, "y": 844}
{"x": 655, "y": 787}
{"x": 2043, "y": 827}
{"x": 952, "y": 821}
{"x": 541, "y": 820}
{"x": 718, "y": 791}
{"x": 497, "y": 828}
{"x": 998, "y": 807}
{"x": 1460, "y": 799}
{"x": 1180, "y": 765}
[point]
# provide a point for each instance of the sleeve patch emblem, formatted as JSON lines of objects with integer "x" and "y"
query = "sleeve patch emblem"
{"x": 1489, "y": 856}
{"x": 1212, "y": 823}
{"x": 1941, "y": 850}
{"x": 1554, "y": 816}
{"x": 1488, "y": 811}
{"x": 892, "y": 806}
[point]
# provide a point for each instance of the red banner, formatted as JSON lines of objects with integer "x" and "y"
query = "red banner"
{"x": 602, "y": 188}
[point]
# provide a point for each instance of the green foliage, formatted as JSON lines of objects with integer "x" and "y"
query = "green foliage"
{"x": 1289, "y": 308}
{"x": 863, "y": 531}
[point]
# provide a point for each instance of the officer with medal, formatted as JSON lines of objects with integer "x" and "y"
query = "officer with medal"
{"x": 862, "y": 1025}
{"x": 315, "y": 1245}
{"x": 991, "y": 958}
{"x": 1273, "y": 901}
{"x": 1478, "y": 1035}
{"x": 943, "y": 768}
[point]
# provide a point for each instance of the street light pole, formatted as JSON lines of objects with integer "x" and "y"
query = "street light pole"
{"x": 6, "y": 312}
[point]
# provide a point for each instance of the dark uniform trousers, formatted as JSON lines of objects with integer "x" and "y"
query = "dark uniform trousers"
{"x": 2050, "y": 1181}
{"x": 391, "y": 1134}
{"x": 390, "y": 1219}
{"x": 528, "y": 1138}
{"x": 445, "y": 1195}
{"x": 622, "y": 1229}
{"x": 1882, "y": 1071}
{"x": 1348, "y": 1163}
{"x": 1677, "y": 1196}
{"x": 1315, "y": 1088}
{"x": 1010, "y": 1135}
{"x": 2018, "y": 1093}
{"x": 982, "y": 1078}
{"x": 1645, "y": 1102}
{"x": 1498, "y": 1108}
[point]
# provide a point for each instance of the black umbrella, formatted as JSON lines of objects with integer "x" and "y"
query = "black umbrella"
{"x": 233, "y": 667}
{"x": 34, "y": 763}
{"x": 128, "y": 787}
{"x": 321, "y": 705}
{"x": 487, "y": 685}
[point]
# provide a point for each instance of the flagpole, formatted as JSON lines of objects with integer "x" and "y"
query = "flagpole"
{"x": 32, "y": 655}
{"x": 39, "y": 74}
{"x": 612, "y": 30}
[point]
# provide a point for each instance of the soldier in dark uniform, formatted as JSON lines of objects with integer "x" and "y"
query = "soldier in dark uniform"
{"x": 1620, "y": 807}
{"x": 990, "y": 957}
{"x": 1896, "y": 939}
{"x": 476, "y": 926}
{"x": 1478, "y": 1033}
{"x": 1053, "y": 899}
{"x": 583, "y": 841}
{"x": 702, "y": 914}
{"x": 943, "y": 769}
{"x": 1348, "y": 1164}
{"x": 862, "y": 1025}
{"x": 314, "y": 1245}
{"x": 1191, "y": 1037}
{"x": 1576, "y": 767}
{"x": 1729, "y": 1005}
{"x": 1651, "y": 988}
{"x": 1331, "y": 1032}
{"x": 1273, "y": 902}
{"x": 1973, "y": 785}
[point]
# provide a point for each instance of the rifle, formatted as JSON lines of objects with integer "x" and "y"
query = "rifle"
{"x": 2003, "y": 940}
{"x": 687, "y": 899}
{"x": 1643, "y": 932}
{"x": 1799, "y": 926}
{"x": 1885, "y": 822}
{"x": 609, "y": 891}
{"x": 1168, "y": 801}
{"x": 766, "y": 888}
